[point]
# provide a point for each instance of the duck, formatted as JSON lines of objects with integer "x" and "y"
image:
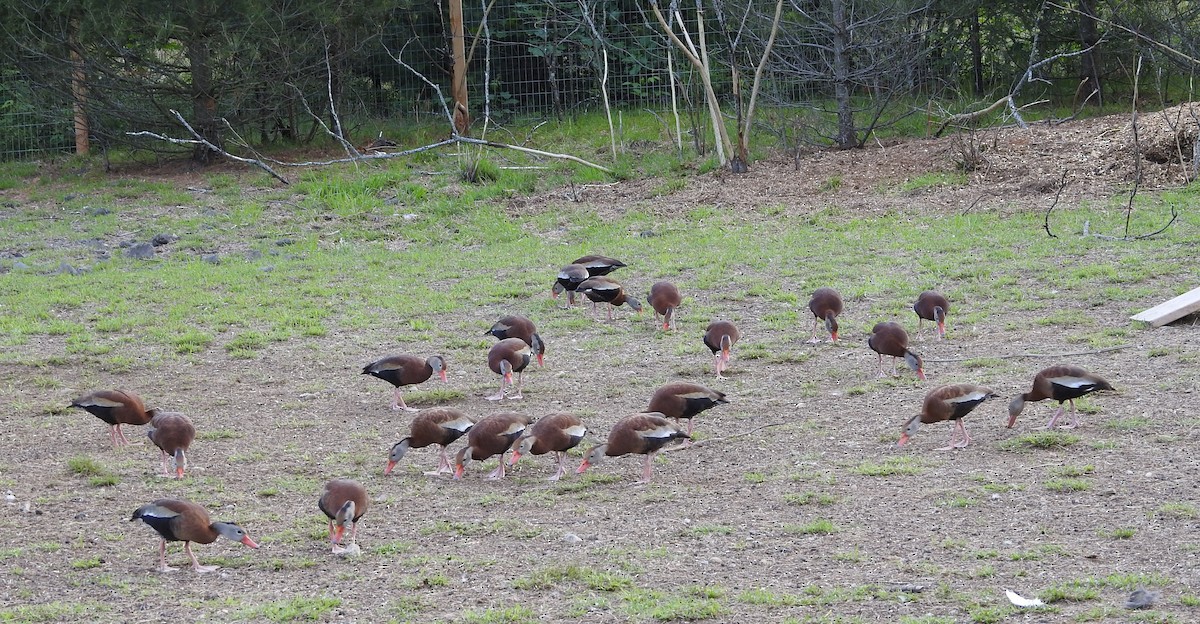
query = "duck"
{"x": 825, "y": 305}
{"x": 890, "y": 339}
{"x": 568, "y": 280}
{"x": 665, "y": 298}
{"x": 719, "y": 337}
{"x": 950, "y": 402}
{"x": 932, "y": 305}
{"x": 554, "y": 433}
{"x": 406, "y": 370}
{"x": 1061, "y": 383}
{"x": 172, "y": 433}
{"x": 517, "y": 326}
{"x": 608, "y": 290}
{"x": 178, "y": 520}
{"x": 491, "y": 436}
{"x": 436, "y": 425}
{"x": 506, "y": 357}
{"x": 683, "y": 400}
{"x": 115, "y": 407}
{"x": 343, "y": 501}
{"x": 645, "y": 433}
{"x": 599, "y": 265}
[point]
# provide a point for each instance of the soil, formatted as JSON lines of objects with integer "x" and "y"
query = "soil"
{"x": 721, "y": 519}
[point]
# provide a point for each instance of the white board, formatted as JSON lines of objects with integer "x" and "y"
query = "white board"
{"x": 1176, "y": 308}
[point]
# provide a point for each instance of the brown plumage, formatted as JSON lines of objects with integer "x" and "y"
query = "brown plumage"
{"x": 719, "y": 337}
{"x": 645, "y": 434}
{"x": 931, "y": 305}
{"x": 555, "y": 433}
{"x": 607, "y": 290}
{"x": 115, "y": 407}
{"x": 506, "y": 357}
{"x": 493, "y": 435}
{"x": 517, "y": 326}
{"x": 172, "y": 433}
{"x": 182, "y": 521}
{"x": 405, "y": 370}
{"x": 343, "y": 501}
{"x": 665, "y": 298}
{"x": 1061, "y": 383}
{"x": 951, "y": 402}
{"x": 436, "y": 425}
{"x": 599, "y": 265}
{"x": 825, "y": 305}
{"x": 569, "y": 278}
{"x": 891, "y": 339}
{"x": 683, "y": 399}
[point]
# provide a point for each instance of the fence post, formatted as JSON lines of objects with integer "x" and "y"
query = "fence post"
{"x": 462, "y": 117}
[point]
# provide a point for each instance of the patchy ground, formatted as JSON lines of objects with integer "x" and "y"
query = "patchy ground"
{"x": 799, "y": 507}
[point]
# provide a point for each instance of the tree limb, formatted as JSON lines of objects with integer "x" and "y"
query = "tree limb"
{"x": 1062, "y": 183}
{"x": 707, "y": 441}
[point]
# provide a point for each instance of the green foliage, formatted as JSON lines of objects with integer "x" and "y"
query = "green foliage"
{"x": 299, "y": 608}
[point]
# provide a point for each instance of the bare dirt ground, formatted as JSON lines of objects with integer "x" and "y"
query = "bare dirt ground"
{"x": 720, "y": 522}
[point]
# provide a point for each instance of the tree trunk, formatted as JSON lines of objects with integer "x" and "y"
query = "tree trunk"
{"x": 462, "y": 116}
{"x": 976, "y": 52}
{"x": 204, "y": 103}
{"x": 846, "y": 137}
{"x": 1089, "y": 61}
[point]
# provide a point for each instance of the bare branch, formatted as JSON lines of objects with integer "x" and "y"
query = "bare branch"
{"x": 1062, "y": 183}
{"x": 200, "y": 140}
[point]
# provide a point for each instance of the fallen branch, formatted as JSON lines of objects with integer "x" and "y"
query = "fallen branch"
{"x": 1013, "y": 356}
{"x": 1062, "y": 183}
{"x": 200, "y": 140}
{"x": 971, "y": 116}
{"x": 708, "y": 441}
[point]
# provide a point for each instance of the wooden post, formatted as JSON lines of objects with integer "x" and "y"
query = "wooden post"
{"x": 462, "y": 117}
{"x": 78, "y": 93}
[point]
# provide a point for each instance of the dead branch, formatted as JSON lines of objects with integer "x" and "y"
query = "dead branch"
{"x": 1062, "y": 183}
{"x": 200, "y": 140}
{"x": 1012, "y": 356}
{"x": 971, "y": 116}
{"x": 1137, "y": 146}
{"x": 727, "y": 438}
{"x": 1153, "y": 42}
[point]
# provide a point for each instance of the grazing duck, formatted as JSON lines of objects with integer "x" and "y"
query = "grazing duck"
{"x": 720, "y": 338}
{"x": 517, "y": 326}
{"x": 493, "y": 435}
{"x": 607, "y": 290}
{"x": 172, "y": 433}
{"x": 506, "y": 357}
{"x": 182, "y": 521}
{"x": 644, "y": 434}
{"x": 1061, "y": 383}
{"x": 343, "y": 501}
{"x": 437, "y": 425}
{"x": 891, "y": 339}
{"x": 115, "y": 407}
{"x": 599, "y": 265}
{"x": 951, "y": 402}
{"x": 556, "y": 433}
{"x": 569, "y": 278}
{"x": 665, "y": 298}
{"x": 931, "y": 305}
{"x": 683, "y": 399}
{"x": 826, "y": 305}
{"x": 405, "y": 370}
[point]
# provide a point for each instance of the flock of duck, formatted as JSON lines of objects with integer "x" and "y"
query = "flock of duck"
{"x": 345, "y": 501}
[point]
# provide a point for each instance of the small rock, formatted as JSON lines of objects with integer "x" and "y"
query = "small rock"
{"x": 19, "y": 266}
{"x": 647, "y": 234}
{"x": 410, "y": 216}
{"x": 353, "y": 550}
{"x": 571, "y": 538}
{"x": 81, "y": 516}
{"x": 253, "y": 254}
{"x": 162, "y": 239}
{"x": 267, "y": 268}
{"x": 211, "y": 258}
{"x": 1141, "y": 599}
{"x": 96, "y": 211}
{"x": 9, "y": 497}
{"x": 284, "y": 242}
{"x": 140, "y": 251}
{"x": 67, "y": 268}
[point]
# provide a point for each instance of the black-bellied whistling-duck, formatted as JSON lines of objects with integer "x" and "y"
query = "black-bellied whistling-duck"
{"x": 343, "y": 501}
{"x": 665, "y": 298}
{"x": 517, "y": 326}
{"x": 493, "y": 435}
{"x": 555, "y": 433}
{"x": 890, "y": 339}
{"x": 436, "y": 425}
{"x": 599, "y": 265}
{"x": 569, "y": 278}
{"x": 644, "y": 433}
{"x": 607, "y": 290}
{"x": 115, "y": 407}
{"x": 506, "y": 357}
{"x": 825, "y": 305}
{"x": 182, "y": 521}
{"x": 720, "y": 338}
{"x": 405, "y": 370}
{"x": 172, "y": 433}
{"x": 682, "y": 399}
{"x": 951, "y": 402}
{"x": 931, "y": 305}
{"x": 1061, "y": 383}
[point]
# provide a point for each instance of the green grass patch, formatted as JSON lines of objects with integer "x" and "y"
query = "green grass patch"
{"x": 891, "y": 466}
{"x": 516, "y": 614}
{"x": 820, "y": 526}
{"x": 1040, "y": 440}
{"x": 1066, "y": 485}
{"x": 646, "y": 604}
{"x": 596, "y": 580}
{"x": 809, "y": 498}
{"x": 298, "y": 609}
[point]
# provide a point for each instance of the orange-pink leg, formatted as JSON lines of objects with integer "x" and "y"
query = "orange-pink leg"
{"x": 498, "y": 473}
{"x": 562, "y": 465}
{"x": 646, "y": 468}
{"x": 196, "y": 562}
{"x": 518, "y": 394}
{"x": 398, "y": 402}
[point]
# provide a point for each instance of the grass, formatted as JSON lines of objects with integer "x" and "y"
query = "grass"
{"x": 298, "y": 609}
{"x": 820, "y": 526}
{"x": 595, "y": 580}
{"x": 1040, "y": 440}
{"x": 891, "y": 466}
